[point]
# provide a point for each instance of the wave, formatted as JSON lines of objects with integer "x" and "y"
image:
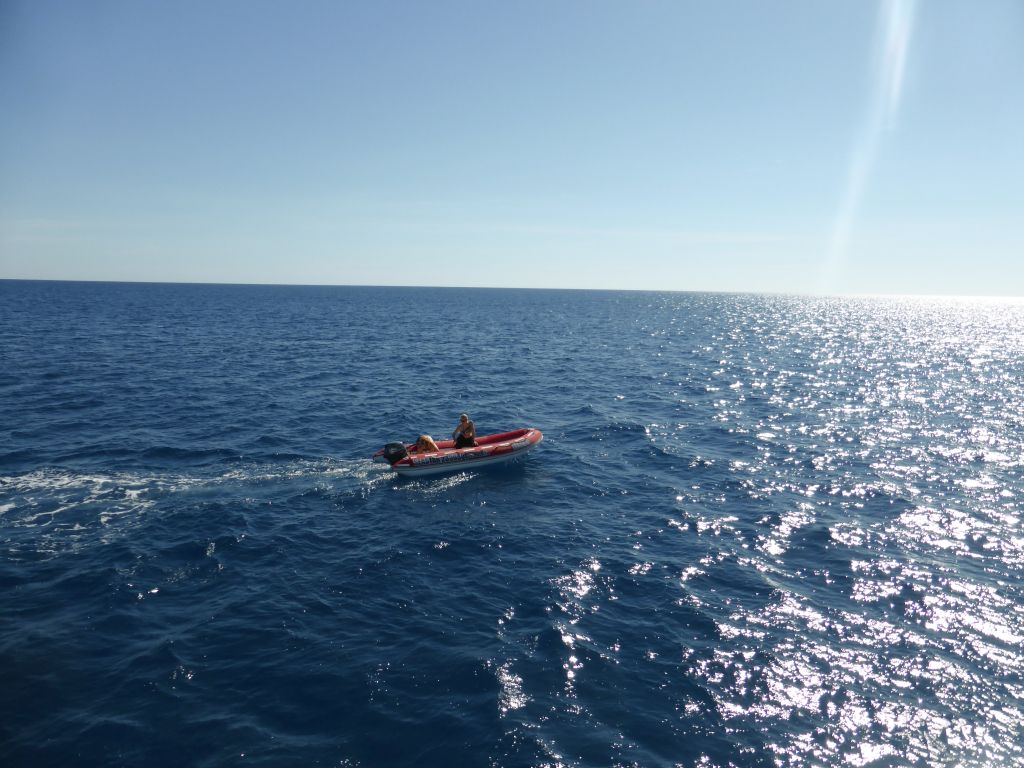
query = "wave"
{"x": 196, "y": 455}
{"x": 70, "y": 504}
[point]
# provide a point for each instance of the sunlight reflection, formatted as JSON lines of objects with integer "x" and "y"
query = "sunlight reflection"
{"x": 897, "y": 18}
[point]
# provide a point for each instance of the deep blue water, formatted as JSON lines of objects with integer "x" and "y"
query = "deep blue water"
{"x": 761, "y": 531}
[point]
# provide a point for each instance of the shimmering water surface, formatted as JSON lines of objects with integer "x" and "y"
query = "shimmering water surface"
{"x": 761, "y": 531}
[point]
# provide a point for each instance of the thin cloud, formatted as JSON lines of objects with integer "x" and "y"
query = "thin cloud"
{"x": 897, "y": 20}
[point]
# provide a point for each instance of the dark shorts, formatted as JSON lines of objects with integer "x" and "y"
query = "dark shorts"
{"x": 464, "y": 442}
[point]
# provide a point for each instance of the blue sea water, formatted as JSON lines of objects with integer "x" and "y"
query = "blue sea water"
{"x": 761, "y": 530}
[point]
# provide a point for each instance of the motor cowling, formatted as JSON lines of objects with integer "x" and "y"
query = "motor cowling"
{"x": 394, "y": 452}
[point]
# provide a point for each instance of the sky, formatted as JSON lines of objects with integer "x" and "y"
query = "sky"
{"x": 738, "y": 145}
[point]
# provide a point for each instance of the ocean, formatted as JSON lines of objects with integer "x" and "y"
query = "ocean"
{"x": 760, "y": 530}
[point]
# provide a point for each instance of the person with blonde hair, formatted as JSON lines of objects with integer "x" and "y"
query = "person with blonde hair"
{"x": 465, "y": 433}
{"x": 425, "y": 444}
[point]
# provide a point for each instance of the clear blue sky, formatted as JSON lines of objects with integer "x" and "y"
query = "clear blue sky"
{"x": 795, "y": 146}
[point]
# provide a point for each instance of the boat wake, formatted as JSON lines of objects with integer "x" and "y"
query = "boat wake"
{"x": 47, "y": 511}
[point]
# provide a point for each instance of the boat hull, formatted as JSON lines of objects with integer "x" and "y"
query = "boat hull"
{"x": 489, "y": 450}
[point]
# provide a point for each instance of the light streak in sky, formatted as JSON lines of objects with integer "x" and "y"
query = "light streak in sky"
{"x": 896, "y": 23}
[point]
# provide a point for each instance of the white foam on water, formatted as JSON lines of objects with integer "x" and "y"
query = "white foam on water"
{"x": 64, "y": 509}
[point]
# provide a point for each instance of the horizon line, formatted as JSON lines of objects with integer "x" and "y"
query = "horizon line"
{"x": 517, "y": 288}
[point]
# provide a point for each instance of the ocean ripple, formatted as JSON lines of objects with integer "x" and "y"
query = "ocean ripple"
{"x": 761, "y": 531}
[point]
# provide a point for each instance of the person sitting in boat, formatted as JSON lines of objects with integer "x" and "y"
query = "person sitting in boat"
{"x": 425, "y": 444}
{"x": 464, "y": 434}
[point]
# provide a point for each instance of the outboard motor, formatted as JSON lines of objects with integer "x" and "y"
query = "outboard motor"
{"x": 394, "y": 452}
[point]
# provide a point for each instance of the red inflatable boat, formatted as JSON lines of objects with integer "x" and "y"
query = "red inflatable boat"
{"x": 489, "y": 450}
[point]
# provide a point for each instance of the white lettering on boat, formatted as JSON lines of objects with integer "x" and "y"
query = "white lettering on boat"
{"x": 448, "y": 458}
